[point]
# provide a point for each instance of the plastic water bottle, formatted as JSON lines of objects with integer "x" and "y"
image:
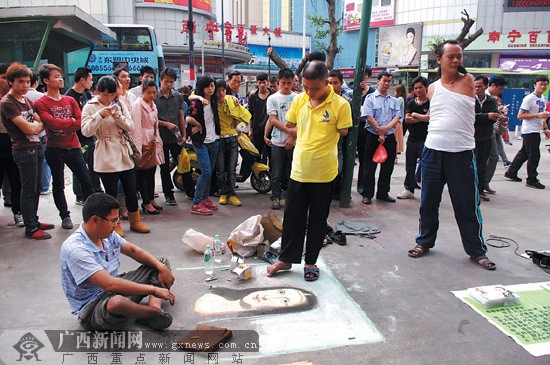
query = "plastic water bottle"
{"x": 179, "y": 138}
{"x": 217, "y": 249}
{"x": 208, "y": 261}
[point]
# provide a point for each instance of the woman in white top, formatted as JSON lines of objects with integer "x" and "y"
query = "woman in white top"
{"x": 145, "y": 115}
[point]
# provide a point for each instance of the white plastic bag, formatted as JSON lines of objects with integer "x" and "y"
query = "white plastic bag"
{"x": 197, "y": 241}
{"x": 247, "y": 236}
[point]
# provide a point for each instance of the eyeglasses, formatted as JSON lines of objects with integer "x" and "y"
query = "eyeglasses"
{"x": 113, "y": 221}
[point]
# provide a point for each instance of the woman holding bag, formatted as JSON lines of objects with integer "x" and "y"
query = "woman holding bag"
{"x": 106, "y": 118}
{"x": 147, "y": 140}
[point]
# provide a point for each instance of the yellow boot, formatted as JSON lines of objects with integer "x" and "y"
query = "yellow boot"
{"x": 135, "y": 223}
{"x": 118, "y": 229}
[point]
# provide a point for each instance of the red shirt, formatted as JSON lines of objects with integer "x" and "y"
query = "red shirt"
{"x": 61, "y": 120}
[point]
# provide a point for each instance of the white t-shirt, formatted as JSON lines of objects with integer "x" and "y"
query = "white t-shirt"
{"x": 211, "y": 135}
{"x": 532, "y": 104}
{"x": 279, "y": 104}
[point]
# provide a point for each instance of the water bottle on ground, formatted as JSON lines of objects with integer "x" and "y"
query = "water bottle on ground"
{"x": 208, "y": 261}
{"x": 217, "y": 249}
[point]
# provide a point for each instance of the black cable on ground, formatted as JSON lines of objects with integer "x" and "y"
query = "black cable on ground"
{"x": 505, "y": 242}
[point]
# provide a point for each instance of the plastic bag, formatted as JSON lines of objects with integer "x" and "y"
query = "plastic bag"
{"x": 197, "y": 241}
{"x": 184, "y": 165}
{"x": 247, "y": 236}
{"x": 380, "y": 155}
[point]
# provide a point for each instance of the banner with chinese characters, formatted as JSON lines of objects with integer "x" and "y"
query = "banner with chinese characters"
{"x": 399, "y": 46}
{"x": 535, "y": 39}
{"x": 383, "y": 13}
{"x": 205, "y": 5}
{"x": 526, "y": 323}
{"x": 237, "y": 33}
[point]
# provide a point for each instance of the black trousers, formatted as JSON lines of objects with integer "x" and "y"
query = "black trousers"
{"x": 412, "y": 154}
{"x": 307, "y": 206}
{"x": 8, "y": 166}
{"x": 263, "y": 149}
{"x": 386, "y": 169}
{"x": 483, "y": 148}
{"x": 361, "y": 138}
{"x": 530, "y": 152}
{"x": 169, "y": 149}
{"x": 145, "y": 182}
{"x": 128, "y": 180}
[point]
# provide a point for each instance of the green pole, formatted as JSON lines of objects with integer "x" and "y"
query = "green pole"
{"x": 49, "y": 26}
{"x": 351, "y": 141}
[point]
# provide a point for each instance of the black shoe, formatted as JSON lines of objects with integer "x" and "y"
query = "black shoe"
{"x": 367, "y": 201}
{"x": 216, "y": 194}
{"x": 154, "y": 211}
{"x": 535, "y": 185}
{"x": 512, "y": 177}
{"x": 386, "y": 198}
{"x": 170, "y": 200}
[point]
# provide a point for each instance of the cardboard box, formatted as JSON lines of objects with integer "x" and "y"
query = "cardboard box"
{"x": 236, "y": 260}
{"x": 244, "y": 272}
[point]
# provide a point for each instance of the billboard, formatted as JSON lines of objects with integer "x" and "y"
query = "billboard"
{"x": 205, "y": 5}
{"x": 400, "y": 46}
{"x": 383, "y": 13}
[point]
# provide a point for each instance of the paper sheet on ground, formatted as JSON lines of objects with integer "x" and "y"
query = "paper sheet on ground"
{"x": 528, "y": 323}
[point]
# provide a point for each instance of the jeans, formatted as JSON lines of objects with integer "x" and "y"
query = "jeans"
{"x": 46, "y": 171}
{"x": 29, "y": 162}
{"x": 227, "y": 165}
{"x": 530, "y": 152}
{"x": 8, "y": 166}
{"x": 386, "y": 168}
{"x": 96, "y": 182}
{"x": 207, "y": 155}
{"x": 167, "y": 185}
{"x": 500, "y": 147}
{"x": 57, "y": 158}
{"x": 457, "y": 170}
{"x": 412, "y": 154}
{"x": 281, "y": 162}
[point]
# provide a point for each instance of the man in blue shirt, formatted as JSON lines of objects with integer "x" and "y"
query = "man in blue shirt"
{"x": 90, "y": 260}
{"x": 382, "y": 113}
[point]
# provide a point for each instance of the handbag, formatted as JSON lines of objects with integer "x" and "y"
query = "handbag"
{"x": 148, "y": 158}
{"x": 133, "y": 151}
{"x": 380, "y": 155}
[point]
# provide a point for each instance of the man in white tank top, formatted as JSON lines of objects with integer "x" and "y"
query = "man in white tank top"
{"x": 448, "y": 158}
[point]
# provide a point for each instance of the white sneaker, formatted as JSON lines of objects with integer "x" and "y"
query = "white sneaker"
{"x": 405, "y": 194}
{"x": 17, "y": 221}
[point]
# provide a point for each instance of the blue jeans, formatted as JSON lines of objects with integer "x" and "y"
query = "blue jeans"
{"x": 207, "y": 155}
{"x": 227, "y": 165}
{"x": 29, "y": 163}
{"x": 57, "y": 158}
{"x": 281, "y": 162}
{"x": 46, "y": 172}
{"x": 458, "y": 171}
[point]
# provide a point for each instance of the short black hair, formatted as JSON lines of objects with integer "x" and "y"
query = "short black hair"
{"x": 108, "y": 83}
{"x": 421, "y": 79}
{"x": 317, "y": 56}
{"x": 498, "y": 80}
{"x": 368, "y": 71}
{"x": 262, "y": 76}
{"x": 273, "y": 79}
{"x": 220, "y": 83}
{"x": 541, "y": 78}
{"x": 441, "y": 47}
{"x": 34, "y": 78}
{"x": 482, "y": 78}
{"x": 382, "y": 74}
{"x": 234, "y": 73}
{"x": 99, "y": 204}
{"x": 81, "y": 73}
{"x": 336, "y": 72}
{"x": 286, "y": 73}
{"x": 315, "y": 70}
{"x": 3, "y": 68}
{"x": 170, "y": 72}
{"x": 119, "y": 70}
{"x": 147, "y": 82}
{"x": 146, "y": 69}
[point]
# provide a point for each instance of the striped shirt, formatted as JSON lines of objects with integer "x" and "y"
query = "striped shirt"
{"x": 80, "y": 259}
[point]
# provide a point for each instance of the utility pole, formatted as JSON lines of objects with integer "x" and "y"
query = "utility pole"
{"x": 351, "y": 141}
{"x": 190, "y": 29}
{"x": 223, "y": 45}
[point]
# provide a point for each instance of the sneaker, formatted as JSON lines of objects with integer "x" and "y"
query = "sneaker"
{"x": 234, "y": 201}
{"x": 45, "y": 226}
{"x": 210, "y": 204}
{"x": 201, "y": 209}
{"x": 511, "y": 176}
{"x": 38, "y": 235}
{"x": 275, "y": 204}
{"x": 67, "y": 223}
{"x": 535, "y": 185}
{"x": 46, "y": 192}
{"x": 405, "y": 194}
{"x": 7, "y": 204}
{"x": 283, "y": 194}
{"x": 507, "y": 163}
{"x": 79, "y": 201}
{"x": 223, "y": 199}
{"x": 17, "y": 221}
{"x": 170, "y": 200}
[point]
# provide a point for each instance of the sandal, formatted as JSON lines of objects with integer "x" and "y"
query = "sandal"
{"x": 484, "y": 262}
{"x": 338, "y": 237}
{"x": 269, "y": 257}
{"x": 311, "y": 273}
{"x": 418, "y": 251}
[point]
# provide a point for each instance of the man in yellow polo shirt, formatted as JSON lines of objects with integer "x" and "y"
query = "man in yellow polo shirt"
{"x": 319, "y": 117}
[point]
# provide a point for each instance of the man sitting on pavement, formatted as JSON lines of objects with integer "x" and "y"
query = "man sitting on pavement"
{"x": 90, "y": 260}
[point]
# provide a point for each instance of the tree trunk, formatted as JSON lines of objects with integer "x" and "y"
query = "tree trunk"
{"x": 333, "y": 25}
{"x": 276, "y": 59}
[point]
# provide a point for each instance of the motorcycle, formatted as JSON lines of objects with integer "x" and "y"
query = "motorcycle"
{"x": 187, "y": 173}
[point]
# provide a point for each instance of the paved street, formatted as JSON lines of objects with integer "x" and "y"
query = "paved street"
{"x": 407, "y": 301}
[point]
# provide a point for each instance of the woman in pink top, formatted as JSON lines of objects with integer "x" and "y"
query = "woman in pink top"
{"x": 145, "y": 116}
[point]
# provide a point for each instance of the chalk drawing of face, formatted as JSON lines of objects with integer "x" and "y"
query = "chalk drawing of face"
{"x": 254, "y": 301}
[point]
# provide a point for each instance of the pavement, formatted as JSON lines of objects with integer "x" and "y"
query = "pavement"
{"x": 401, "y": 308}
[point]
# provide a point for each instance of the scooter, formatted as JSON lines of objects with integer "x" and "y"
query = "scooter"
{"x": 186, "y": 174}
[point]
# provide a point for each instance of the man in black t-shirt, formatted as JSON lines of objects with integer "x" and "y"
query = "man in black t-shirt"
{"x": 418, "y": 118}
{"x": 257, "y": 106}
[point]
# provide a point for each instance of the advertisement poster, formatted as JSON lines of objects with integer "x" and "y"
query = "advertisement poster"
{"x": 399, "y": 46}
{"x": 205, "y": 5}
{"x": 383, "y": 13}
